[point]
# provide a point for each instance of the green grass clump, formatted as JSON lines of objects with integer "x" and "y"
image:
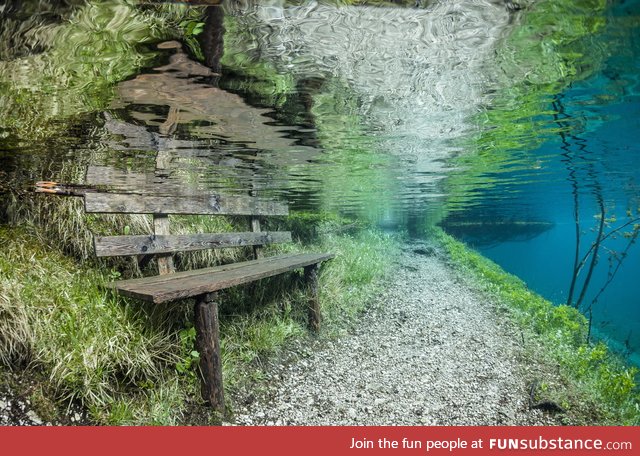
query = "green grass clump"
{"x": 356, "y": 275}
{"x": 363, "y": 257}
{"x": 597, "y": 385}
{"x": 95, "y": 348}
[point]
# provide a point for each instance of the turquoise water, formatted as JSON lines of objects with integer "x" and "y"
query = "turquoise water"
{"x": 591, "y": 166}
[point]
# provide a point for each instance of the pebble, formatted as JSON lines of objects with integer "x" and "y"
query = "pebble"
{"x": 33, "y": 417}
{"x": 18, "y": 410}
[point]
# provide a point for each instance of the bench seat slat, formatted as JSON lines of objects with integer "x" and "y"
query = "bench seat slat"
{"x": 153, "y": 244}
{"x": 196, "y": 272}
{"x": 129, "y": 203}
{"x": 187, "y": 284}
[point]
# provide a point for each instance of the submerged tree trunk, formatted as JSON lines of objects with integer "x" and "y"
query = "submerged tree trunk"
{"x": 594, "y": 255}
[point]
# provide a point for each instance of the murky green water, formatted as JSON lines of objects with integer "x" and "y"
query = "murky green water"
{"x": 515, "y": 130}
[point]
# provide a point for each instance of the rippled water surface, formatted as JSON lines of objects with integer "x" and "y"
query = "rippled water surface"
{"x": 514, "y": 129}
{"x": 539, "y": 212}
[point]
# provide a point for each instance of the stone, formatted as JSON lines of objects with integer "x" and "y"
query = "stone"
{"x": 34, "y": 418}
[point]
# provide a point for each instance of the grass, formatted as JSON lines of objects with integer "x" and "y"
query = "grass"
{"x": 595, "y": 387}
{"x": 130, "y": 363}
{"x": 55, "y": 317}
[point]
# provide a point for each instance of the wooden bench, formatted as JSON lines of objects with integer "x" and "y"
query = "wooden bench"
{"x": 201, "y": 284}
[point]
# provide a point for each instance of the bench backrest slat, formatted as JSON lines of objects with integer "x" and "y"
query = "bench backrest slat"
{"x": 158, "y": 244}
{"x": 110, "y": 203}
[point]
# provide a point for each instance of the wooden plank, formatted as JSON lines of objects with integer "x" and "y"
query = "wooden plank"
{"x": 311, "y": 279}
{"x": 154, "y": 244}
{"x": 183, "y": 285}
{"x": 208, "y": 345}
{"x": 198, "y": 272}
{"x": 109, "y": 177}
{"x": 255, "y": 223}
{"x": 168, "y": 127}
{"x": 110, "y": 203}
{"x": 123, "y": 181}
{"x": 161, "y": 227}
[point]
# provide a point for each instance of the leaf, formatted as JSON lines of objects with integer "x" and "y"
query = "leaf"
{"x": 197, "y": 30}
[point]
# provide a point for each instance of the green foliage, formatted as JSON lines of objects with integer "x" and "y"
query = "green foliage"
{"x": 306, "y": 225}
{"x": 361, "y": 169}
{"x": 266, "y": 83}
{"x": 101, "y": 43}
{"x": 396, "y": 3}
{"x": 356, "y": 274}
{"x": 56, "y": 316}
{"x": 600, "y": 387}
{"x": 192, "y": 28}
{"x": 134, "y": 364}
{"x": 253, "y": 337}
{"x": 190, "y": 357}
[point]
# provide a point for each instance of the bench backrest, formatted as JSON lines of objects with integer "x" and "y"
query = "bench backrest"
{"x": 163, "y": 244}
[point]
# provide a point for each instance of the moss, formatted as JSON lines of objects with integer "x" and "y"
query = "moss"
{"x": 596, "y": 386}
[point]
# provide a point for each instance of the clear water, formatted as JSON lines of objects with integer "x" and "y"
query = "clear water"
{"x": 493, "y": 123}
{"x": 592, "y": 165}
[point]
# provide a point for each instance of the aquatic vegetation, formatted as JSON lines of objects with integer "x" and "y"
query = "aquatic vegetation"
{"x": 552, "y": 48}
{"x": 56, "y": 317}
{"x": 131, "y": 363}
{"x": 550, "y": 121}
{"x": 262, "y": 79}
{"x": 360, "y": 170}
{"x": 598, "y": 387}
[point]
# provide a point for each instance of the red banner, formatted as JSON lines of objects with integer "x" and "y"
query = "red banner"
{"x": 351, "y": 441}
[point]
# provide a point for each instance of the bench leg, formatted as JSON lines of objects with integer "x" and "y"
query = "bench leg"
{"x": 311, "y": 279}
{"x": 208, "y": 345}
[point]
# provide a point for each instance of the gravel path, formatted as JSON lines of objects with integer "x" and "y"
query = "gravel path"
{"x": 431, "y": 352}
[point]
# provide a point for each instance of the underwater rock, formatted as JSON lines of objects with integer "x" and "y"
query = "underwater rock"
{"x": 427, "y": 251}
